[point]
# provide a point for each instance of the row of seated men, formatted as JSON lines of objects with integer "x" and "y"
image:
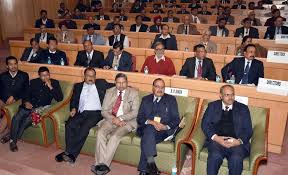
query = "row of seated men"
{"x": 118, "y": 107}
{"x": 198, "y": 66}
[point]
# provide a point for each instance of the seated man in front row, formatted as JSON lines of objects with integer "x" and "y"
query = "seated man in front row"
{"x": 85, "y": 113}
{"x": 41, "y": 92}
{"x": 228, "y": 129}
{"x": 157, "y": 119}
{"x": 199, "y": 66}
{"x": 120, "y": 109}
{"x": 246, "y": 70}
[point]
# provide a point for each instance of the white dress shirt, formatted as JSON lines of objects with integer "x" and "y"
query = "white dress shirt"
{"x": 195, "y": 18}
{"x": 196, "y": 67}
{"x": 219, "y": 32}
{"x": 120, "y": 110}
{"x": 125, "y": 43}
{"x": 165, "y": 37}
{"x": 89, "y": 98}
{"x": 32, "y": 54}
{"x": 43, "y": 37}
{"x": 90, "y": 55}
{"x": 246, "y": 32}
{"x": 44, "y": 21}
{"x": 138, "y": 28}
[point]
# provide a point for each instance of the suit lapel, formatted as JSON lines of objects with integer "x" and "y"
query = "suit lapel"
{"x": 126, "y": 100}
{"x": 204, "y": 67}
{"x": 193, "y": 66}
{"x": 251, "y": 70}
{"x": 241, "y": 67}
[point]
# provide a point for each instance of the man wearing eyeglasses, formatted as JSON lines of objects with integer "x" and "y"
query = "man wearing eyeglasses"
{"x": 157, "y": 119}
{"x": 13, "y": 84}
{"x": 159, "y": 63}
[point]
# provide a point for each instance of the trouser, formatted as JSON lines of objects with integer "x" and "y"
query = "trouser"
{"x": 77, "y": 129}
{"x": 108, "y": 138}
{"x": 3, "y": 121}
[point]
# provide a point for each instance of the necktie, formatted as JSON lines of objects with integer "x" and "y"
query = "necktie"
{"x": 117, "y": 104}
{"x": 90, "y": 38}
{"x": 116, "y": 39}
{"x": 226, "y": 108}
{"x": 155, "y": 105}
{"x": 89, "y": 59}
{"x": 186, "y": 30}
{"x": 199, "y": 69}
{"x": 246, "y": 71}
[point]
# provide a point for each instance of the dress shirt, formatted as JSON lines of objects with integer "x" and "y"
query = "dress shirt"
{"x": 138, "y": 28}
{"x": 90, "y": 55}
{"x": 116, "y": 60}
{"x": 89, "y": 98}
{"x": 195, "y": 18}
{"x": 159, "y": 59}
{"x": 43, "y": 37}
{"x": 53, "y": 52}
{"x": 246, "y": 32}
{"x": 219, "y": 32}
{"x": 120, "y": 110}
{"x": 196, "y": 67}
{"x": 165, "y": 37}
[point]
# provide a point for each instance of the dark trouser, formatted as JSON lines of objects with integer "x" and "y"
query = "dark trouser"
{"x": 20, "y": 122}
{"x": 77, "y": 129}
{"x": 150, "y": 138}
{"x": 234, "y": 155}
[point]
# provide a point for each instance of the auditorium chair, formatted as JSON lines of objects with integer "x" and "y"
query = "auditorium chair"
{"x": 259, "y": 117}
{"x": 43, "y": 133}
{"x": 128, "y": 151}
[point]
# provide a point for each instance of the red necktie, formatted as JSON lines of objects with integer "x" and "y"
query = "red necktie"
{"x": 117, "y": 104}
{"x": 199, "y": 70}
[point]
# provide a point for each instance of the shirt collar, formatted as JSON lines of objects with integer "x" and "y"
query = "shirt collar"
{"x": 123, "y": 92}
{"x": 13, "y": 76}
{"x": 52, "y": 52}
{"x": 154, "y": 98}
{"x": 158, "y": 59}
{"x": 163, "y": 37}
{"x": 230, "y": 107}
{"x": 91, "y": 53}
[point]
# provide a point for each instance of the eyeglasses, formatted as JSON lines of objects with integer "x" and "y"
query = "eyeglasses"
{"x": 159, "y": 49}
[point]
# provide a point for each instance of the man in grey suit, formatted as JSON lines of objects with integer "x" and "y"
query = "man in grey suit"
{"x": 187, "y": 28}
{"x": 119, "y": 109}
{"x": 91, "y": 35}
{"x": 220, "y": 30}
{"x": 170, "y": 17}
{"x": 210, "y": 46}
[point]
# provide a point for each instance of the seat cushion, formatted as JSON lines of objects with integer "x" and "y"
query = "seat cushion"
{"x": 204, "y": 156}
{"x": 167, "y": 147}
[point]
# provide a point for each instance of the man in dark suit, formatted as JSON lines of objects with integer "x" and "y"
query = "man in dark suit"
{"x": 122, "y": 15}
{"x": 204, "y": 10}
{"x": 116, "y": 20}
{"x": 247, "y": 30}
{"x": 144, "y": 17}
{"x": 199, "y": 66}
{"x": 49, "y": 23}
{"x": 85, "y": 113}
{"x": 40, "y": 94}
{"x": 169, "y": 41}
{"x": 52, "y": 55}
{"x": 246, "y": 70}
{"x": 91, "y": 22}
{"x": 32, "y": 54}
{"x": 239, "y": 5}
{"x": 275, "y": 13}
{"x": 117, "y": 59}
{"x": 220, "y": 30}
{"x": 183, "y": 10}
{"x": 170, "y": 17}
{"x": 139, "y": 26}
{"x": 14, "y": 85}
{"x": 187, "y": 28}
{"x": 89, "y": 57}
{"x": 43, "y": 36}
{"x": 137, "y": 7}
{"x": 102, "y": 16}
{"x": 156, "y": 27}
{"x": 278, "y": 28}
{"x": 228, "y": 128}
{"x": 157, "y": 119}
{"x": 68, "y": 22}
{"x": 117, "y": 36}
{"x": 156, "y": 9}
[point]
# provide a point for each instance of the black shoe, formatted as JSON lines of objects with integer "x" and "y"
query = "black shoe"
{"x": 100, "y": 169}
{"x": 59, "y": 157}
{"x": 69, "y": 158}
{"x": 5, "y": 139}
{"x": 152, "y": 169}
{"x": 13, "y": 147}
{"x": 94, "y": 168}
{"x": 142, "y": 173}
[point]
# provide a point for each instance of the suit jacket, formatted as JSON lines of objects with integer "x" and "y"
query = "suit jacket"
{"x": 95, "y": 26}
{"x": 70, "y": 38}
{"x": 146, "y": 18}
{"x": 130, "y": 105}
{"x": 38, "y": 35}
{"x": 154, "y": 29}
{"x": 55, "y": 58}
{"x": 101, "y": 85}
{"x": 111, "y": 25}
{"x": 252, "y": 33}
{"x": 69, "y": 23}
{"x": 236, "y": 68}
{"x": 270, "y": 32}
{"x": 106, "y": 17}
{"x": 206, "y": 13}
{"x": 123, "y": 18}
{"x": 167, "y": 110}
{"x": 213, "y": 29}
{"x": 175, "y": 19}
{"x": 241, "y": 119}
{"x": 49, "y": 23}
{"x": 97, "y": 59}
{"x": 183, "y": 12}
{"x": 169, "y": 43}
{"x": 236, "y": 6}
{"x": 270, "y": 21}
{"x": 125, "y": 62}
{"x": 192, "y": 29}
{"x": 208, "y": 68}
{"x": 96, "y": 40}
{"x": 35, "y": 57}
{"x": 211, "y": 47}
{"x": 143, "y": 28}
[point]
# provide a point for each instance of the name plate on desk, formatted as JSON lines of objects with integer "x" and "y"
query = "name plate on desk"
{"x": 273, "y": 86}
{"x": 277, "y": 57}
{"x": 176, "y": 91}
{"x": 281, "y": 39}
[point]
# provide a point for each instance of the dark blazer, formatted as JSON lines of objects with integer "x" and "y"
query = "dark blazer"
{"x": 49, "y": 23}
{"x": 136, "y": 10}
{"x": 38, "y": 35}
{"x": 123, "y": 18}
{"x": 111, "y": 25}
{"x": 271, "y": 31}
{"x": 97, "y": 59}
{"x": 95, "y": 26}
{"x": 183, "y": 12}
{"x": 169, "y": 43}
{"x": 236, "y": 6}
{"x": 146, "y": 18}
{"x": 106, "y": 17}
{"x": 206, "y": 13}
{"x": 125, "y": 62}
{"x": 236, "y": 68}
{"x": 34, "y": 59}
{"x": 55, "y": 58}
{"x": 208, "y": 68}
{"x": 270, "y": 21}
{"x": 252, "y": 33}
{"x": 167, "y": 110}
{"x": 213, "y": 29}
{"x": 153, "y": 29}
{"x": 175, "y": 19}
{"x": 143, "y": 28}
{"x": 241, "y": 119}
{"x": 101, "y": 85}
{"x": 69, "y": 23}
